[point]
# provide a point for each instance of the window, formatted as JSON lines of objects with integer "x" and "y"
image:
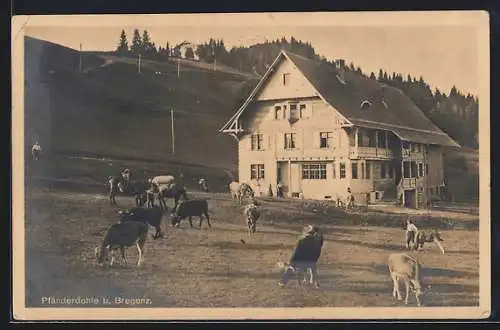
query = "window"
{"x": 303, "y": 112}
{"x": 426, "y": 169}
{"x": 419, "y": 148}
{"x": 391, "y": 170}
{"x": 412, "y": 147}
{"x": 371, "y": 138}
{"x": 294, "y": 113}
{"x": 420, "y": 170}
{"x": 406, "y": 169}
{"x": 382, "y": 171}
{"x": 286, "y": 79}
{"x": 257, "y": 171}
{"x": 381, "y": 140}
{"x": 257, "y": 141}
{"x": 334, "y": 172}
{"x": 414, "y": 169}
{"x": 368, "y": 170}
{"x": 354, "y": 169}
{"x": 289, "y": 140}
{"x": 325, "y": 139}
{"x": 342, "y": 170}
{"x": 278, "y": 114}
{"x": 314, "y": 171}
{"x": 362, "y": 170}
{"x": 406, "y": 145}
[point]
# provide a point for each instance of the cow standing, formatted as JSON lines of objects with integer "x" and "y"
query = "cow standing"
{"x": 252, "y": 214}
{"x": 151, "y": 216}
{"x": 191, "y": 208}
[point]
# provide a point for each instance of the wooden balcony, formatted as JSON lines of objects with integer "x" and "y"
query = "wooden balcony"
{"x": 409, "y": 183}
{"x": 370, "y": 153}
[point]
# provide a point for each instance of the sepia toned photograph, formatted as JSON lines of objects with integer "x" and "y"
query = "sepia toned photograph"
{"x": 251, "y": 166}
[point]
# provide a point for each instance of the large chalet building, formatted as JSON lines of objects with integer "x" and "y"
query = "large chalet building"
{"x": 320, "y": 130}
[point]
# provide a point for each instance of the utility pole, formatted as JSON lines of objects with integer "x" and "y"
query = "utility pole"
{"x": 178, "y": 67}
{"x": 139, "y": 65}
{"x": 173, "y": 135}
{"x": 80, "y": 60}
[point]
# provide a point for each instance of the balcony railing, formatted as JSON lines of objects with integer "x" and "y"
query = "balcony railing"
{"x": 368, "y": 152}
{"x": 409, "y": 183}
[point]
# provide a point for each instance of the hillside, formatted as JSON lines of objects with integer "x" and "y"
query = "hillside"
{"x": 112, "y": 111}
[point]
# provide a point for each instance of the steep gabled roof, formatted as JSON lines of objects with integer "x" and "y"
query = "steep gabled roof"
{"x": 387, "y": 107}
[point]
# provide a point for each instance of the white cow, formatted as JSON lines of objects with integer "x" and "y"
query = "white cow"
{"x": 406, "y": 268}
{"x": 163, "y": 182}
{"x": 240, "y": 190}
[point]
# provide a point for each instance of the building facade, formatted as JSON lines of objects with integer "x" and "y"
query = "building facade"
{"x": 320, "y": 130}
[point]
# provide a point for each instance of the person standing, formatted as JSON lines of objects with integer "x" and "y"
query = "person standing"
{"x": 279, "y": 190}
{"x": 36, "y": 150}
{"x": 411, "y": 234}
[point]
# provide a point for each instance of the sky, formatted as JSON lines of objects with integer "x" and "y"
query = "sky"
{"x": 443, "y": 55}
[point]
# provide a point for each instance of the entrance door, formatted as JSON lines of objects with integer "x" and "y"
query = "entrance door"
{"x": 410, "y": 199}
{"x": 295, "y": 178}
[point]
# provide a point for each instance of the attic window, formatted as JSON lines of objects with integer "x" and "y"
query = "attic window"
{"x": 365, "y": 104}
{"x": 286, "y": 79}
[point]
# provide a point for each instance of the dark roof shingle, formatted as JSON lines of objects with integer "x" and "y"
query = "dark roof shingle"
{"x": 389, "y": 108}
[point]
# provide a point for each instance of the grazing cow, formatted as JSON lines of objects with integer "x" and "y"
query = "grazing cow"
{"x": 252, "y": 214}
{"x": 428, "y": 236}
{"x": 175, "y": 191}
{"x": 404, "y": 267}
{"x": 191, "y": 208}
{"x": 151, "y": 216}
{"x": 240, "y": 190}
{"x": 121, "y": 236}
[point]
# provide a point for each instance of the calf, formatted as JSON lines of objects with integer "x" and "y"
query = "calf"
{"x": 428, "y": 237}
{"x": 252, "y": 214}
{"x": 121, "y": 236}
{"x": 406, "y": 268}
{"x": 151, "y": 216}
{"x": 191, "y": 208}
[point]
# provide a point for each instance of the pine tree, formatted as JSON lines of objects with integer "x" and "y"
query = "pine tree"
{"x": 123, "y": 44}
{"x": 136, "y": 47}
{"x": 372, "y": 76}
{"x": 147, "y": 46}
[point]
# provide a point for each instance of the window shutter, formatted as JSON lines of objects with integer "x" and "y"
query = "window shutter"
{"x": 316, "y": 139}
{"x": 280, "y": 141}
{"x": 269, "y": 139}
{"x": 247, "y": 142}
{"x": 299, "y": 139}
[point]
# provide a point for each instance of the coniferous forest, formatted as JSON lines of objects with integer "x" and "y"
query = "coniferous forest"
{"x": 454, "y": 111}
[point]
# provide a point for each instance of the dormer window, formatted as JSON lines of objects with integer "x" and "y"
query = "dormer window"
{"x": 365, "y": 104}
{"x": 286, "y": 79}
